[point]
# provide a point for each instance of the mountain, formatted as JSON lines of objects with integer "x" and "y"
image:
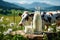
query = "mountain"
{"x": 34, "y": 4}
{"x": 7, "y": 5}
{"x": 53, "y": 8}
{"x": 43, "y": 6}
{"x": 6, "y": 8}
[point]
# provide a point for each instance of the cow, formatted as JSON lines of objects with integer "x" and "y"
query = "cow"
{"x": 27, "y": 20}
{"x": 58, "y": 19}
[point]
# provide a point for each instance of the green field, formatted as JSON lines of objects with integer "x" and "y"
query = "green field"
{"x": 10, "y": 19}
{"x": 10, "y": 22}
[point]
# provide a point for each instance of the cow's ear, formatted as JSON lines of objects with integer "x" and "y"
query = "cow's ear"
{"x": 20, "y": 14}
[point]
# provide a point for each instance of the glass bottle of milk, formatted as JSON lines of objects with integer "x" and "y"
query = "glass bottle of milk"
{"x": 37, "y": 21}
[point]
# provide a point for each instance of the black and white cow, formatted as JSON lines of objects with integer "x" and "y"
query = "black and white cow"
{"x": 27, "y": 20}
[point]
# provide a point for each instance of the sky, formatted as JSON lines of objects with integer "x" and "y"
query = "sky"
{"x": 52, "y": 2}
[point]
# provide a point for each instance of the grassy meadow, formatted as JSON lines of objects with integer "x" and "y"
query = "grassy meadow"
{"x": 8, "y": 24}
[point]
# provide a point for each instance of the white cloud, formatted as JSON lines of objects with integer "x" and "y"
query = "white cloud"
{"x": 22, "y": 2}
{"x": 50, "y": 2}
{"x": 53, "y": 2}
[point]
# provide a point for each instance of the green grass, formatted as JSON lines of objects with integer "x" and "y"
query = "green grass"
{"x": 15, "y": 19}
{"x": 4, "y": 27}
{"x": 12, "y": 19}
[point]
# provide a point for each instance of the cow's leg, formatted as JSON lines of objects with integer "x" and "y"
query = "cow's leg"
{"x": 46, "y": 27}
{"x": 25, "y": 30}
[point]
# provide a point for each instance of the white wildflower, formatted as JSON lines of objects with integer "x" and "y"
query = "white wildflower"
{"x": 12, "y": 24}
{"x": 1, "y": 19}
{"x": 7, "y": 19}
{"x": 7, "y": 32}
{"x": 50, "y": 29}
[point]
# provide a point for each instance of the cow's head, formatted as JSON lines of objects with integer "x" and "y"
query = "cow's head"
{"x": 26, "y": 18}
